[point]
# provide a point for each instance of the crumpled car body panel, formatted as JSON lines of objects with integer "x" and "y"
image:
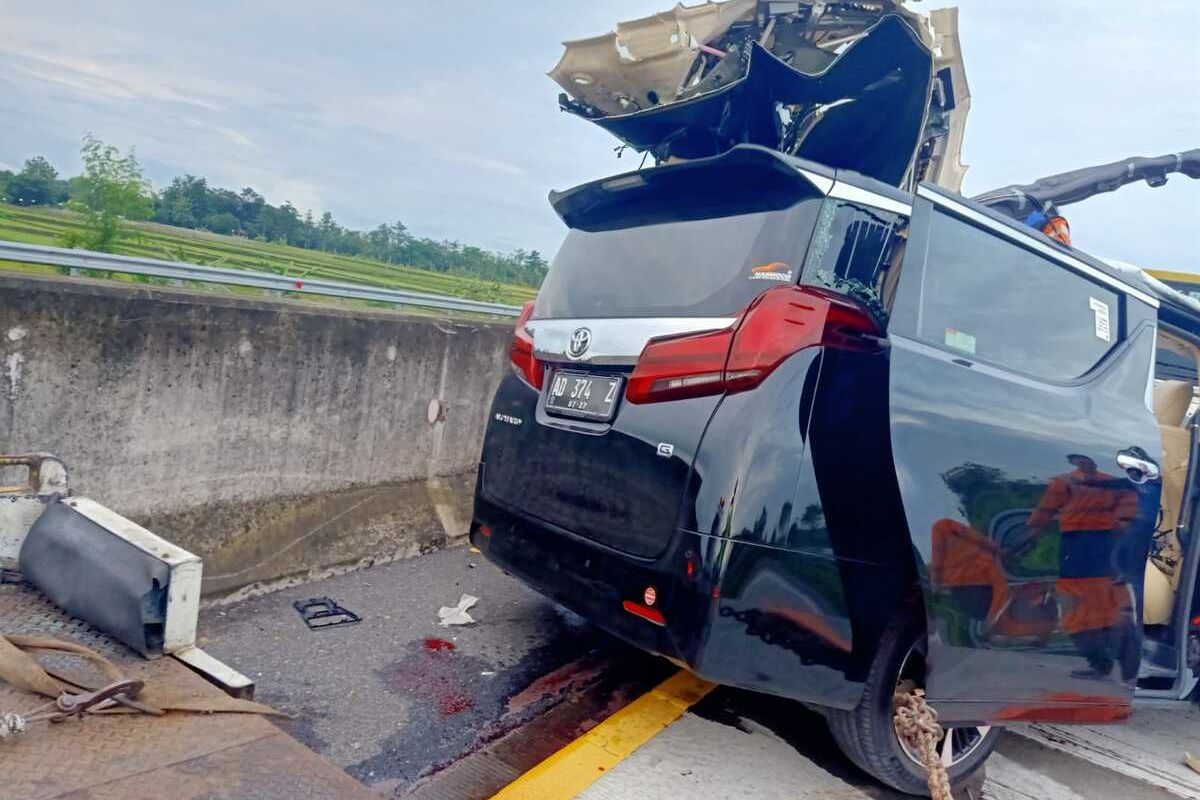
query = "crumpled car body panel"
{"x": 645, "y": 56}
{"x": 881, "y": 92}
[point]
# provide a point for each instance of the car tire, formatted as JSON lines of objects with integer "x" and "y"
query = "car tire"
{"x": 866, "y": 733}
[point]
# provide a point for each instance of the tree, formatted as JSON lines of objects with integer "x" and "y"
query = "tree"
{"x": 379, "y": 243}
{"x": 175, "y": 206}
{"x": 223, "y": 222}
{"x": 249, "y": 211}
{"x": 39, "y": 167}
{"x": 36, "y": 185}
{"x": 329, "y": 230}
{"x": 282, "y": 224}
{"x": 112, "y": 190}
{"x": 183, "y": 202}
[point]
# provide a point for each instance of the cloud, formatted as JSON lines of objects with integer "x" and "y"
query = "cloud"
{"x": 475, "y": 161}
{"x": 104, "y": 79}
{"x": 442, "y": 116}
{"x": 278, "y": 189}
{"x": 446, "y": 120}
{"x": 230, "y": 135}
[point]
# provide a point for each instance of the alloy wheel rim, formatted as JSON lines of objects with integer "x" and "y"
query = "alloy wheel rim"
{"x": 958, "y": 743}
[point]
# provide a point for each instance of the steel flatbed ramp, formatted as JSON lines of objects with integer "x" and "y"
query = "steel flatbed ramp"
{"x": 128, "y": 757}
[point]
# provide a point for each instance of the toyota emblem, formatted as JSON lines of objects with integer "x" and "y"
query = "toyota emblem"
{"x": 581, "y": 340}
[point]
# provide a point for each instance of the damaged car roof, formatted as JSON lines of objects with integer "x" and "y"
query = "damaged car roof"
{"x": 867, "y": 86}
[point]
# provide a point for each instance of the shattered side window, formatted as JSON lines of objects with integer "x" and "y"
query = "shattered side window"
{"x": 857, "y": 250}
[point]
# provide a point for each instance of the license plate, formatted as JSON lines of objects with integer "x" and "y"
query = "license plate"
{"x": 585, "y": 396}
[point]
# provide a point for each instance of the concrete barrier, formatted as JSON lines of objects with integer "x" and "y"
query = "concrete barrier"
{"x": 275, "y": 439}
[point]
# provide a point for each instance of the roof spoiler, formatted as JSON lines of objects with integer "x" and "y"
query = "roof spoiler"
{"x": 743, "y": 179}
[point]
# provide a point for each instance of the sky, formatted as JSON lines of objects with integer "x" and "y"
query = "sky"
{"x": 440, "y": 114}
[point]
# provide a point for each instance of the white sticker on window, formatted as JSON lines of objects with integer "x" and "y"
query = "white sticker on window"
{"x": 1100, "y": 312}
{"x": 960, "y": 341}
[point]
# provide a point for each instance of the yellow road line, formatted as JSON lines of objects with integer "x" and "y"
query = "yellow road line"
{"x": 584, "y": 761}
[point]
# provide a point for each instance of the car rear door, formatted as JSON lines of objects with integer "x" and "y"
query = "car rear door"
{"x": 1025, "y": 449}
{"x": 671, "y": 254}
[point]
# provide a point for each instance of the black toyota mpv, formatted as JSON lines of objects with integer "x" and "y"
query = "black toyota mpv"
{"x": 807, "y": 434}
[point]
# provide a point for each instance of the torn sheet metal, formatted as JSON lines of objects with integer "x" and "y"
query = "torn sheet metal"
{"x": 946, "y": 127}
{"x": 645, "y": 61}
{"x": 867, "y": 86}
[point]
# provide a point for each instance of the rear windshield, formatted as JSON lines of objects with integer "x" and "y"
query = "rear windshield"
{"x": 694, "y": 268}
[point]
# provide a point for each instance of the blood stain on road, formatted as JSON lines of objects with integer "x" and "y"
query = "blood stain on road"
{"x": 437, "y": 672}
{"x": 454, "y": 704}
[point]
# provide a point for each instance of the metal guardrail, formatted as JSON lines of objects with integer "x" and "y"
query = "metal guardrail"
{"x": 178, "y": 270}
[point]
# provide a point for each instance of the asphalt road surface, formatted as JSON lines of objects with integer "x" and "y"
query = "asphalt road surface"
{"x": 413, "y": 709}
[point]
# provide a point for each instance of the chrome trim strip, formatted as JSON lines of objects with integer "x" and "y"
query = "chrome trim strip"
{"x": 856, "y": 194}
{"x": 1029, "y": 240}
{"x": 820, "y": 182}
{"x": 614, "y": 341}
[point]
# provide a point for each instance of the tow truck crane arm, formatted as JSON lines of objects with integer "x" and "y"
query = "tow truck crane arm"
{"x": 1037, "y": 203}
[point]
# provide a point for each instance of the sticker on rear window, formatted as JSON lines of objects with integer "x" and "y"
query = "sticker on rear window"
{"x": 775, "y": 271}
{"x": 1100, "y": 312}
{"x": 960, "y": 341}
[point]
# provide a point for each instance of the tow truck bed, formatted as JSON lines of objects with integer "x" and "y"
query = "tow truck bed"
{"x": 179, "y": 756}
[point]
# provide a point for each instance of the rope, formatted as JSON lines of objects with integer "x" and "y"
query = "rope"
{"x": 917, "y": 724}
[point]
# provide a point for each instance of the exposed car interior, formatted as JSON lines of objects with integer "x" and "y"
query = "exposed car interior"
{"x": 1175, "y": 407}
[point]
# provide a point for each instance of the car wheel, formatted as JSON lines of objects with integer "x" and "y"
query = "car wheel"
{"x": 867, "y": 733}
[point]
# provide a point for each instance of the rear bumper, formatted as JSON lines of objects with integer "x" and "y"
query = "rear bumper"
{"x": 735, "y": 613}
{"x": 597, "y": 582}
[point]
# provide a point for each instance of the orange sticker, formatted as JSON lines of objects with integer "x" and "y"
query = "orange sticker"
{"x": 775, "y": 271}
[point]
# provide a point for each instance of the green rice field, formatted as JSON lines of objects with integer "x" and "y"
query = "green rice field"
{"x": 151, "y": 240}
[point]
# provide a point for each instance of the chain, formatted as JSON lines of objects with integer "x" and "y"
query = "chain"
{"x": 917, "y": 724}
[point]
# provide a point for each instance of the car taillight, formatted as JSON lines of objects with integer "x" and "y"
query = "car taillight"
{"x": 521, "y": 351}
{"x": 686, "y": 366}
{"x": 779, "y": 323}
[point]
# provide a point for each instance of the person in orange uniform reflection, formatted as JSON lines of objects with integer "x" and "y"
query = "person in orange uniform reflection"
{"x": 1092, "y": 509}
{"x": 967, "y": 564}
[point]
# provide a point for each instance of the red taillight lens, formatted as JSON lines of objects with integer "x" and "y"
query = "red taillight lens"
{"x": 686, "y": 366}
{"x": 521, "y": 351}
{"x": 779, "y": 323}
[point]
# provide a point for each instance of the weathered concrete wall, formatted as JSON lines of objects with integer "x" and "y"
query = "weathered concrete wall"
{"x": 268, "y": 437}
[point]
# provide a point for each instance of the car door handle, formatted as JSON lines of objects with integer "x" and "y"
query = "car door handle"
{"x": 1138, "y": 466}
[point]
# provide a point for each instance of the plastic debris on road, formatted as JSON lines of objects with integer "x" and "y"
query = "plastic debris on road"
{"x": 457, "y": 615}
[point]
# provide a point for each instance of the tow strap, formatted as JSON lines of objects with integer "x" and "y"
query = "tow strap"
{"x": 75, "y": 695}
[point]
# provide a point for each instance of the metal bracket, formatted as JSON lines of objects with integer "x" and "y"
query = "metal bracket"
{"x": 324, "y": 612}
{"x": 47, "y": 475}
